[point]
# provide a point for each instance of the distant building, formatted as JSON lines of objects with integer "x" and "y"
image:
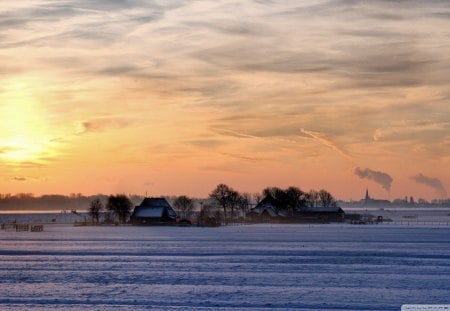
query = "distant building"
{"x": 369, "y": 202}
{"x": 153, "y": 211}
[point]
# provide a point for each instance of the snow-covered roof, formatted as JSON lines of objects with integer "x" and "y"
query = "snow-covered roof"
{"x": 269, "y": 209}
{"x": 153, "y": 208}
{"x": 155, "y": 202}
{"x": 148, "y": 212}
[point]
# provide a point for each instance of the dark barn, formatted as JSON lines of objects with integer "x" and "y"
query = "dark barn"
{"x": 322, "y": 214}
{"x": 153, "y": 211}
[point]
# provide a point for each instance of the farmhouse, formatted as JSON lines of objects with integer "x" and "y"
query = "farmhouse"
{"x": 153, "y": 211}
{"x": 270, "y": 210}
{"x": 266, "y": 210}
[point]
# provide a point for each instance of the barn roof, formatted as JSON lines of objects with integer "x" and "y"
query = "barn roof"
{"x": 265, "y": 208}
{"x": 268, "y": 201}
{"x": 153, "y": 208}
{"x": 269, "y": 206}
{"x": 155, "y": 202}
{"x": 153, "y": 212}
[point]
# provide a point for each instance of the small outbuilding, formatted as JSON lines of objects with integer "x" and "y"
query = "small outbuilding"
{"x": 153, "y": 211}
{"x": 323, "y": 214}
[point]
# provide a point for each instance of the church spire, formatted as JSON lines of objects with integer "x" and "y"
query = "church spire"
{"x": 367, "y": 195}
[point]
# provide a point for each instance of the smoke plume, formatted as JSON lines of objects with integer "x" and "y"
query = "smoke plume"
{"x": 379, "y": 177}
{"x": 431, "y": 182}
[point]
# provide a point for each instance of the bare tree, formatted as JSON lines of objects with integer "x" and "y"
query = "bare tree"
{"x": 227, "y": 198}
{"x": 120, "y": 205}
{"x": 279, "y": 195}
{"x": 245, "y": 202}
{"x": 95, "y": 207}
{"x": 291, "y": 200}
{"x": 184, "y": 205}
{"x": 326, "y": 199}
{"x": 312, "y": 198}
{"x": 256, "y": 198}
{"x": 295, "y": 199}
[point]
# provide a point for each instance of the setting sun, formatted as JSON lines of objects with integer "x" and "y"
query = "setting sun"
{"x": 23, "y": 132}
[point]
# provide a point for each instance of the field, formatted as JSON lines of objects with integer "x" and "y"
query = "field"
{"x": 254, "y": 267}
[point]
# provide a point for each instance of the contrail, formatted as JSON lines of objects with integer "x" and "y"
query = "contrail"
{"x": 326, "y": 142}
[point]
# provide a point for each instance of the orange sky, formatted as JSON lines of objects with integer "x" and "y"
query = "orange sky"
{"x": 174, "y": 97}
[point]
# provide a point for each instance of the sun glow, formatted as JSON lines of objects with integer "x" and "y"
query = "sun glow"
{"x": 24, "y": 134}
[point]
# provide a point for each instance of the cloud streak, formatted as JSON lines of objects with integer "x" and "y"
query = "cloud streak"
{"x": 381, "y": 178}
{"x": 102, "y": 124}
{"x": 19, "y": 178}
{"x": 320, "y": 138}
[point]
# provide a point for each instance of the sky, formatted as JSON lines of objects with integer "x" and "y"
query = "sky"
{"x": 176, "y": 96}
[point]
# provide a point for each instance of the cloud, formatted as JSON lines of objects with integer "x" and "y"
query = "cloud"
{"x": 7, "y": 149}
{"x": 102, "y": 124}
{"x": 414, "y": 131}
{"x": 384, "y": 179}
{"x": 26, "y": 164}
{"x": 232, "y": 133}
{"x": 326, "y": 142}
{"x": 431, "y": 182}
{"x": 377, "y": 135}
{"x": 244, "y": 157}
{"x": 206, "y": 143}
{"x": 19, "y": 179}
{"x": 95, "y": 22}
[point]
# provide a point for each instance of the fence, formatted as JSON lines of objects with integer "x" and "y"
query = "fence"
{"x": 22, "y": 227}
{"x": 418, "y": 223}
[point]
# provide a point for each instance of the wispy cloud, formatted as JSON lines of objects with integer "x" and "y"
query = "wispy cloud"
{"x": 7, "y": 149}
{"x": 104, "y": 123}
{"x": 16, "y": 178}
{"x": 245, "y": 157}
{"x": 322, "y": 139}
{"x": 384, "y": 179}
{"x": 206, "y": 143}
{"x": 25, "y": 164}
{"x": 232, "y": 133}
{"x": 431, "y": 182}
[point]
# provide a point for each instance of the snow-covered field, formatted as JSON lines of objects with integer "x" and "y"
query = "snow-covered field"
{"x": 254, "y": 267}
{"x": 43, "y": 218}
{"x": 407, "y": 214}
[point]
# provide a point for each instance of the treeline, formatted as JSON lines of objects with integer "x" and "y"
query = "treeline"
{"x": 116, "y": 210}
{"x": 53, "y": 202}
{"x": 404, "y": 202}
{"x": 225, "y": 204}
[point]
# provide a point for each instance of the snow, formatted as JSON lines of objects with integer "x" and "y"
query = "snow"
{"x": 149, "y": 212}
{"x": 406, "y": 214}
{"x": 48, "y": 217}
{"x": 253, "y": 267}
